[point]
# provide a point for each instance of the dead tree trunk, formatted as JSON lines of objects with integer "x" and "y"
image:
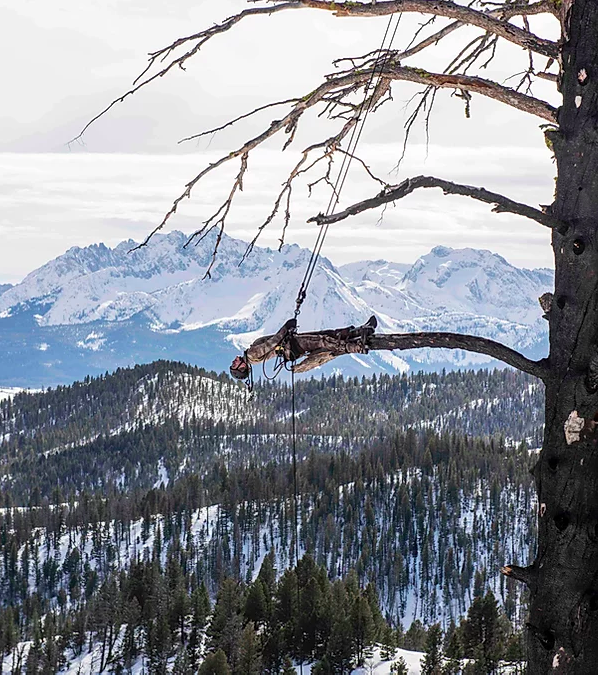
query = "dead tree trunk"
{"x": 563, "y": 580}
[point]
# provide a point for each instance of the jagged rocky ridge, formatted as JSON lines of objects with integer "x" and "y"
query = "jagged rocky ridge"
{"x": 97, "y": 308}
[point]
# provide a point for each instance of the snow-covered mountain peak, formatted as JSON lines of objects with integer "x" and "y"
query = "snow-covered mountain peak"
{"x": 476, "y": 281}
{"x": 157, "y": 297}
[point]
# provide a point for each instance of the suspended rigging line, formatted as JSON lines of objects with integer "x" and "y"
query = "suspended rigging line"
{"x": 354, "y": 139}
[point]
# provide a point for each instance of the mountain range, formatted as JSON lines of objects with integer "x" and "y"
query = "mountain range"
{"x": 96, "y": 308}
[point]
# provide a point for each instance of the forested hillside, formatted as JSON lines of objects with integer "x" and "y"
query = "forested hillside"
{"x": 141, "y": 426}
{"x": 130, "y": 500}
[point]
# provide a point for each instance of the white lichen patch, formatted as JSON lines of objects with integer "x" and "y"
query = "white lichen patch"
{"x": 573, "y": 427}
{"x": 582, "y": 76}
{"x": 560, "y": 658}
{"x": 577, "y": 101}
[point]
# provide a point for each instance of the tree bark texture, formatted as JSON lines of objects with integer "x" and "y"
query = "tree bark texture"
{"x": 563, "y": 580}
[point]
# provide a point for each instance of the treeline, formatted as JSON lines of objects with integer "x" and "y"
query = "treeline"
{"x": 160, "y": 615}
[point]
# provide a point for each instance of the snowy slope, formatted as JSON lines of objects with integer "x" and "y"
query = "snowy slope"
{"x": 95, "y": 308}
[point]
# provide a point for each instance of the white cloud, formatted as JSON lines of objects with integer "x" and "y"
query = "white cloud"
{"x": 80, "y": 55}
{"x": 51, "y": 202}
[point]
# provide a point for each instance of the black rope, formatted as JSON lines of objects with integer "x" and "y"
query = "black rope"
{"x": 311, "y": 266}
{"x": 346, "y": 164}
{"x": 295, "y": 490}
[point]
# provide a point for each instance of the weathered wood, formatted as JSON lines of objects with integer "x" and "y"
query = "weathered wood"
{"x": 395, "y": 192}
{"x": 564, "y": 600}
{"x": 445, "y": 8}
{"x": 470, "y": 343}
{"x": 323, "y": 346}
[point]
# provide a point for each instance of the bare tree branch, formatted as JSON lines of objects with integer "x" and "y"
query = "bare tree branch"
{"x": 477, "y": 85}
{"x": 502, "y": 204}
{"x": 551, "y": 77}
{"x": 471, "y": 83}
{"x": 230, "y": 123}
{"x": 289, "y": 124}
{"x": 319, "y": 347}
{"x": 494, "y": 22}
{"x": 505, "y": 12}
{"x": 470, "y": 343}
{"x": 352, "y": 82}
{"x": 162, "y": 54}
{"x": 445, "y": 8}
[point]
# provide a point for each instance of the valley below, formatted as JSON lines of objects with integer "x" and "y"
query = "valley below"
{"x": 148, "y": 521}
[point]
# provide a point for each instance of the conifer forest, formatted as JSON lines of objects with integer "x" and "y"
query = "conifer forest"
{"x": 147, "y": 523}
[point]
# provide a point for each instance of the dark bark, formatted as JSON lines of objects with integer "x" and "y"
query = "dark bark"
{"x": 563, "y": 623}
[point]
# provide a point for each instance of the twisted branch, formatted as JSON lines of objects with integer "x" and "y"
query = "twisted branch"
{"x": 502, "y": 204}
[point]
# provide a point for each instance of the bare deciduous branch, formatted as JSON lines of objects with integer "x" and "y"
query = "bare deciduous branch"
{"x": 445, "y": 8}
{"x": 502, "y": 204}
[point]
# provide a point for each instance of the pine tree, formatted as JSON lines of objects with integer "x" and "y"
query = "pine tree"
{"x": 514, "y": 653}
{"x": 483, "y": 632}
{"x": 415, "y": 637}
{"x": 323, "y": 667}
{"x": 35, "y": 656}
{"x": 215, "y": 664}
{"x": 182, "y": 664}
{"x": 362, "y": 628}
{"x": 399, "y": 667}
{"x": 8, "y": 634}
{"x": 228, "y": 605}
{"x": 249, "y": 656}
{"x": 256, "y": 608}
{"x": 287, "y": 612}
{"x": 52, "y": 653}
{"x": 371, "y": 595}
{"x": 230, "y": 641}
{"x": 432, "y": 661}
{"x": 388, "y": 644}
{"x": 339, "y": 650}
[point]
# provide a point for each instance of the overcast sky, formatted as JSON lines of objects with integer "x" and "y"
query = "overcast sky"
{"x": 68, "y": 58}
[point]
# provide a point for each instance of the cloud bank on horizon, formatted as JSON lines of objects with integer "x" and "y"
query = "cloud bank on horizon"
{"x": 52, "y": 202}
{"x": 91, "y": 52}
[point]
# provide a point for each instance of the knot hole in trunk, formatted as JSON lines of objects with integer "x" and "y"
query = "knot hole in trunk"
{"x": 562, "y": 520}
